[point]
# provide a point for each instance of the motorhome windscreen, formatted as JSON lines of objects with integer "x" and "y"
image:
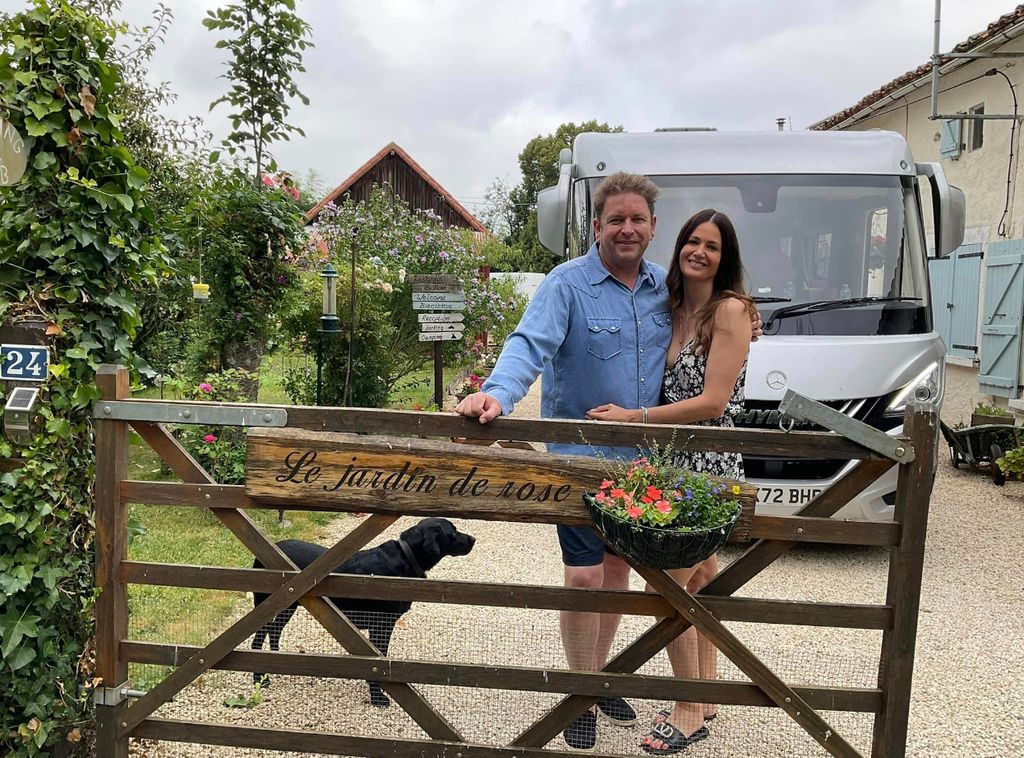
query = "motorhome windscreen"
{"x": 836, "y": 245}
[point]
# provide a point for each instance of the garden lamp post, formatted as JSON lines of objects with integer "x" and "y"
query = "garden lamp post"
{"x": 328, "y": 322}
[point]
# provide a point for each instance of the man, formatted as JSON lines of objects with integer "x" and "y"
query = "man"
{"x": 598, "y": 328}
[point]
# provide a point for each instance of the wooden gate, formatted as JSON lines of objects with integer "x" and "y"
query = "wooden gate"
{"x": 676, "y": 609}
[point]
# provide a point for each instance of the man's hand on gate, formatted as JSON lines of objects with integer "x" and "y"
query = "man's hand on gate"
{"x": 480, "y": 405}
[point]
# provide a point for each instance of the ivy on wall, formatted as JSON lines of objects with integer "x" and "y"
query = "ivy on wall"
{"x": 76, "y": 247}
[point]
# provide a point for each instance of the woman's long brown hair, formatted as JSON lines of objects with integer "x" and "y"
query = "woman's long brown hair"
{"x": 728, "y": 280}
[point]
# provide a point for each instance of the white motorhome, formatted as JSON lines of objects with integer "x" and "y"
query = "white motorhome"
{"x": 832, "y": 235}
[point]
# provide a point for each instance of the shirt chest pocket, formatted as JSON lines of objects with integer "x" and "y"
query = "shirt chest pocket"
{"x": 604, "y": 337}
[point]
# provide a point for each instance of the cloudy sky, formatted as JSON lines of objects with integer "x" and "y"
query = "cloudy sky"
{"x": 463, "y": 85}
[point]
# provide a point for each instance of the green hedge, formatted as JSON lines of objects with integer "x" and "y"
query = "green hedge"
{"x": 76, "y": 244}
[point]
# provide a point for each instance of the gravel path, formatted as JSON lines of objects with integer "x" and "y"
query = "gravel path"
{"x": 968, "y": 688}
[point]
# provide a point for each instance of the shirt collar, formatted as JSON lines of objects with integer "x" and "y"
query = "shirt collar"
{"x": 597, "y": 273}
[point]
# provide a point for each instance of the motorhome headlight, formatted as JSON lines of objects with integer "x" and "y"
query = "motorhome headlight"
{"x": 926, "y": 387}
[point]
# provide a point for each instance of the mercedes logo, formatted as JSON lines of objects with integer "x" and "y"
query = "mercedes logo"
{"x": 776, "y": 380}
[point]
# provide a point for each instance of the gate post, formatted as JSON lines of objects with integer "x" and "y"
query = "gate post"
{"x": 111, "y": 612}
{"x": 906, "y": 563}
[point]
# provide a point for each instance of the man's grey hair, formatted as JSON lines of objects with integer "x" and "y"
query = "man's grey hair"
{"x": 624, "y": 183}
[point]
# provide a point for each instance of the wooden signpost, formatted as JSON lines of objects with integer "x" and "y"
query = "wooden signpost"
{"x": 432, "y": 293}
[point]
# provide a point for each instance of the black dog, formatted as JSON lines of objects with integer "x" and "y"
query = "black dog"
{"x": 416, "y": 551}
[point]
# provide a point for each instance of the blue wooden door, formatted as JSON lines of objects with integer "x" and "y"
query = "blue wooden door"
{"x": 999, "y": 373}
{"x": 955, "y": 289}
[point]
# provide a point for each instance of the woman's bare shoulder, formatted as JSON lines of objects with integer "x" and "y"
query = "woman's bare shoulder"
{"x": 732, "y": 305}
{"x": 731, "y": 312}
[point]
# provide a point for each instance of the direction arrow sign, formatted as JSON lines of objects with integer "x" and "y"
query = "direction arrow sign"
{"x": 433, "y": 279}
{"x": 460, "y": 306}
{"x": 454, "y": 287}
{"x": 438, "y": 297}
{"x": 439, "y": 336}
{"x": 441, "y": 327}
{"x": 440, "y": 318}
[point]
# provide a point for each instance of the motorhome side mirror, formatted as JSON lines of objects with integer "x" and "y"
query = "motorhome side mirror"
{"x": 958, "y": 216}
{"x": 949, "y": 206}
{"x": 551, "y": 212}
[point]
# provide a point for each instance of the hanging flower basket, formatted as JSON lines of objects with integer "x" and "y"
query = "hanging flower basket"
{"x": 658, "y": 515}
{"x": 658, "y": 547}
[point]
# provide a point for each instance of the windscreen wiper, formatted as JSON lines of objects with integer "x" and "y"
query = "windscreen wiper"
{"x": 773, "y": 300}
{"x": 816, "y": 306}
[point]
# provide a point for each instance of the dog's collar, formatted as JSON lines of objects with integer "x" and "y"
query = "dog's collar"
{"x": 411, "y": 559}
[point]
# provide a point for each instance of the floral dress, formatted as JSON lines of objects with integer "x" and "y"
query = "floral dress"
{"x": 685, "y": 379}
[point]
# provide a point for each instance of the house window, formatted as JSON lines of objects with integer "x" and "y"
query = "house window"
{"x": 977, "y": 135}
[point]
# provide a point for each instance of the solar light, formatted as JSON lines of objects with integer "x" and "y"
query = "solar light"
{"x": 18, "y": 413}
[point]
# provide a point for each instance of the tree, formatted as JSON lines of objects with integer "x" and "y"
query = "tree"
{"x": 496, "y": 213}
{"x": 174, "y": 152}
{"x": 249, "y": 234}
{"x": 539, "y": 164}
{"x": 312, "y": 189}
{"x": 266, "y": 51}
{"x": 255, "y": 226}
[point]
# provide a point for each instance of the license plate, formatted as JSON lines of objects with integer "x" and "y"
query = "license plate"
{"x": 786, "y": 495}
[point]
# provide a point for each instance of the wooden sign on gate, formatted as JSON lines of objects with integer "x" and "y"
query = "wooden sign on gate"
{"x": 424, "y": 477}
{"x": 410, "y": 476}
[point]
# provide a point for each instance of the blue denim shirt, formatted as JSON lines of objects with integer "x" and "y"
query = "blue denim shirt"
{"x": 594, "y": 340}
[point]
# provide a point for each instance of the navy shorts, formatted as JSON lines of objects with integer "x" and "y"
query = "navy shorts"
{"x": 581, "y": 546}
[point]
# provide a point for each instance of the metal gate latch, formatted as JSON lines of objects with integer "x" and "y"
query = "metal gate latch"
{"x": 799, "y": 408}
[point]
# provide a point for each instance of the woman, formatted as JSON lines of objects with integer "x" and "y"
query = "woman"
{"x": 703, "y": 384}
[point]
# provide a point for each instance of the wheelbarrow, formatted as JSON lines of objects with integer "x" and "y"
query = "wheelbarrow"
{"x": 980, "y": 446}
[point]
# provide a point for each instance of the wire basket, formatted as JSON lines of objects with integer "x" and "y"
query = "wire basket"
{"x": 658, "y": 547}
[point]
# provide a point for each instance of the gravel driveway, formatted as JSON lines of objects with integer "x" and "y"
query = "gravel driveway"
{"x": 968, "y": 687}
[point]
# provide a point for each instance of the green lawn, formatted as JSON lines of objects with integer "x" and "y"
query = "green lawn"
{"x": 194, "y": 536}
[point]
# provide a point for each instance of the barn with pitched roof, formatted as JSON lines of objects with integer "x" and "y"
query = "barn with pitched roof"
{"x": 410, "y": 181}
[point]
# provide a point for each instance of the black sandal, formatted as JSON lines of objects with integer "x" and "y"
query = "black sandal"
{"x": 663, "y": 714}
{"x": 674, "y": 740}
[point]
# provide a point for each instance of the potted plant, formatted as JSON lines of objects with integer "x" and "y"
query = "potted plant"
{"x": 469, "y": 384}
{"x": 990, "y": 414}
{"x": 1011, "y": 463}
{"x": 661, "y": 516}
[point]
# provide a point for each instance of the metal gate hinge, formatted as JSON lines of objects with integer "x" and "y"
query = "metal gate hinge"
{"x": 114, "y": 695}
{"x": 178, "y": 412}
{"x": 800, "y": 408}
